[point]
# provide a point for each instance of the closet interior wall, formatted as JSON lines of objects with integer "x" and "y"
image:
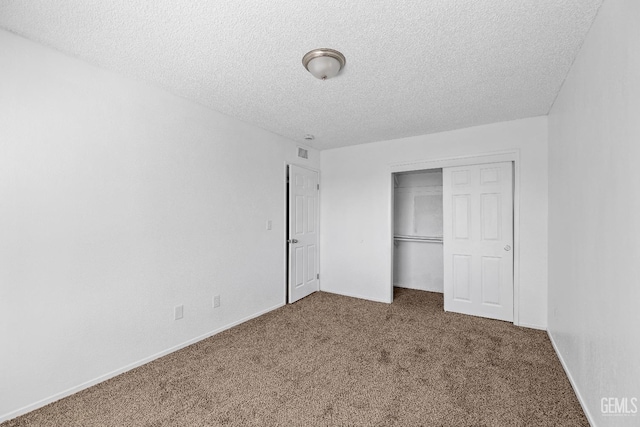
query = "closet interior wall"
{"x": 418, "y": 256}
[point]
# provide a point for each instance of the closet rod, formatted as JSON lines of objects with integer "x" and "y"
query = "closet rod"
{"x": 418, "y": 239}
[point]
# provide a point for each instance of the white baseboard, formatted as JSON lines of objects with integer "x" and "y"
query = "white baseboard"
{"x": 532, "y": 326}
{"x": 101, "y": 378}
{"x": 417, "y": 288}
{"x": 571, "y": 380}
{"x": 347, "y": 294}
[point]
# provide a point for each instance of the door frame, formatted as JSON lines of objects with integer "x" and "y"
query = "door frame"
{"x": 466, "y": 160}
{"x": 285, "y": 297}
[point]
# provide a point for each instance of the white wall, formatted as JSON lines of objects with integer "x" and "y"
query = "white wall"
{"x": 356, "y": 207}
{"x": 594, "y": 214}
{"x": 119, "y": 201}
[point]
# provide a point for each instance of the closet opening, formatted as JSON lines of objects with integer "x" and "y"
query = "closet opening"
{"x": 454, "y": 232}
{"x": 418, "y": 230}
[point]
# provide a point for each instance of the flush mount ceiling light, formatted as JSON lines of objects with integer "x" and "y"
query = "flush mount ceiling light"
{"x": 324, "y": 63}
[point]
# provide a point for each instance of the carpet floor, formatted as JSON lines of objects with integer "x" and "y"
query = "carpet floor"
{"x": 330, "y": 360}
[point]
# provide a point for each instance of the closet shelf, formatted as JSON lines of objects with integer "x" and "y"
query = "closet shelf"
{"x": 426, "y": 239}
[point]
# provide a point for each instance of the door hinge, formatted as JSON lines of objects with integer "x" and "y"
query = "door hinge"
{"x": 318, "y": 276}
{"x": 318, "y": 186}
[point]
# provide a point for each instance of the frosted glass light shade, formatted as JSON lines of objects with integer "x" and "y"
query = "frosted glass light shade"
{"x": 323, "y": 63}
{"x": 324, "y": 67}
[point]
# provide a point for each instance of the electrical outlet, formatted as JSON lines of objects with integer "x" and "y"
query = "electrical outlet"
{"x": 268, "y": 224}
{"x": 216, "y": 301}
{"x": 178, "y": 312}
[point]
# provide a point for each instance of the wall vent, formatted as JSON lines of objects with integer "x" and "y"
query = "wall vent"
{"x": 303, "y": 153}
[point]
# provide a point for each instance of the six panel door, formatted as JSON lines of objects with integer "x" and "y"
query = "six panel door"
{"x": 478, "y": 240}
{"x": 303, "y": 232}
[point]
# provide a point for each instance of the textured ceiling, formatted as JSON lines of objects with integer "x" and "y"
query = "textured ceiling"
{"x": 413, "y": 67}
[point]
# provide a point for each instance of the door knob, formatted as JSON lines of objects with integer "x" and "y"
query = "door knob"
{"x": 293, "y": 241}
{"x": 507, "y": 248}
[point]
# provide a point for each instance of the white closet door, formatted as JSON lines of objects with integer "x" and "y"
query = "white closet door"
{"x": 478, "y": 240}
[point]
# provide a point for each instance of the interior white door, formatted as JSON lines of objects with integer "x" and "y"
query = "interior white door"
{"x": 303, "y": 232}
{"x": 478, "y": 240}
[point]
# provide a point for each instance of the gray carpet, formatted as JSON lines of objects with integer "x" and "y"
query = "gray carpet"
{"x": 332, "y": 360}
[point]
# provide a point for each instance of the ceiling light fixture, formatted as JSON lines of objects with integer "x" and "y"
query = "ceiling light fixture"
{"x": 324, "y": 63}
